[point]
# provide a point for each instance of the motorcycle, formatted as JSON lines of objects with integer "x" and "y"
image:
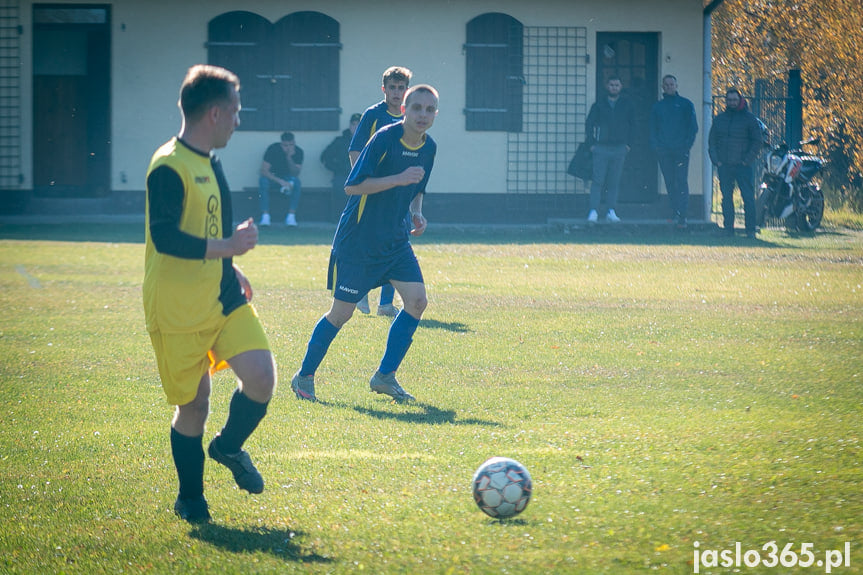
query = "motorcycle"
{"x": 788, "y": 191}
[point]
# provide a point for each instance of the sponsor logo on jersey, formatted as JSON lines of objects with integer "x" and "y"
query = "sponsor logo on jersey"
{"x": 214, "y": 215}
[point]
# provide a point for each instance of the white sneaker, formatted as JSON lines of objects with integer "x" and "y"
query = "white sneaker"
{"x": 363, "y": 304}
{"x": 611, "y": 217}
{"x": 265, "y": 220}
{"x": 388, "y": 310}
{"x": 291, "y": 220}
{"x": 592, "y": 217}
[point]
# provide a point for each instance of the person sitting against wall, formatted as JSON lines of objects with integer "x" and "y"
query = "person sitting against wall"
{"x": 280, "y": 170}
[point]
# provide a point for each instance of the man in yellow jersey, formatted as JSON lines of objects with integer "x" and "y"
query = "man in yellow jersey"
{"x": 196, "y": 302}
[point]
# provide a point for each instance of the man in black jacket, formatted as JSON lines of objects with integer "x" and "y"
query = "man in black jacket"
{"x": 735, "y": 142}
{"x": 673, "y": 127}
{"x": 610, "y": 128}
{"x": 335, "y": 158}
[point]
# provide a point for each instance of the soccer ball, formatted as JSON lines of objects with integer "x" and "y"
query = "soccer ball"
{"x": 502, "y": 487}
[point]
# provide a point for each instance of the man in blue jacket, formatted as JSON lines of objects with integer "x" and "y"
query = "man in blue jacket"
{"x": 672, "y": 132}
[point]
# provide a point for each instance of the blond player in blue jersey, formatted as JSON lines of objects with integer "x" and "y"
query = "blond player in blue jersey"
{"x": 394, "y": 84}
{"x": 372, "y": 246}
{"x": 196, "y": 302}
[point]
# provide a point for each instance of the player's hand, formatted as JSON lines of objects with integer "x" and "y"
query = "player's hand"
{"x": 245, "y": 237}
{"x": 419, "y": 222}
{"x": 244, "y": 283}
{"x": 412, "y": 175}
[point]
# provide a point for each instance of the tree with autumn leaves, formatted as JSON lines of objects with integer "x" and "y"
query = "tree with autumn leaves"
{"x": 763, "y": 39}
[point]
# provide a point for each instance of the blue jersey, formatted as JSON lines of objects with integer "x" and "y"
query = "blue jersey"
{"x": 373, "y": 227}
{"x": 374, "y": 118}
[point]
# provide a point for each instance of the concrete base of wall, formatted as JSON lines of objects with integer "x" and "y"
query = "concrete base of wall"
{"x": 325, "y": 205}
{"x": 322, "y": 205}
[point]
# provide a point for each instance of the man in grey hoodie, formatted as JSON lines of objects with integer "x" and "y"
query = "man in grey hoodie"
{"x": 673, "y": 127}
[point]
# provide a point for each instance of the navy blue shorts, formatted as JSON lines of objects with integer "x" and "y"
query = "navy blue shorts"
{"x": 350, "y": 281}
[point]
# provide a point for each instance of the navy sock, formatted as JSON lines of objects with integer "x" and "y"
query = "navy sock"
{"x": 322, "y": 336}
{"x": 398, "y": 341}
{"x": 244, "y": 415}
{"x": 188, "y": 453}
{"x": 388, "y": 292}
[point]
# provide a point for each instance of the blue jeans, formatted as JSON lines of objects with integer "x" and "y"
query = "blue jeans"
{"x": 675, "y": 171}
{"x": 744, "y": 176}
{"x": 264, "y": 186}
{"x": 607, "y": 170}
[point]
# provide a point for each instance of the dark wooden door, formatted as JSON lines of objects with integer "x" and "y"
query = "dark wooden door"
{"x": 71, "y": 100}
{"x": 634, "y": 57}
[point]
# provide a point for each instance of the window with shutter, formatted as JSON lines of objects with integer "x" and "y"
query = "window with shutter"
{"x": 289, "y": 71}
{"x": 495, "y": 80}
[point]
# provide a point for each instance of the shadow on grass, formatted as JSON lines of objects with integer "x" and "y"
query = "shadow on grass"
{"x": 277, "y": 542}
{"x": 322, "y": 234}
{"x": 453, "y": 326}
{"x": 429, "y": 414}
{"x": 508, "y": 522}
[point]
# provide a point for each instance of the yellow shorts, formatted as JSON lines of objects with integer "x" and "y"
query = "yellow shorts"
{"x": 184, "y": 358}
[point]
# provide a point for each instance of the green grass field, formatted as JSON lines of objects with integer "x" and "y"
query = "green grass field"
{"x": 664, "y": 391}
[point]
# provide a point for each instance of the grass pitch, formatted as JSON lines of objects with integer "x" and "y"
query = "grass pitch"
{"x": 662, "y": 391}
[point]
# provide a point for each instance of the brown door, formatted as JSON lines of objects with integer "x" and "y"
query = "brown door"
{"x": 634, "y": 57}
{"x": 71, "y": 100}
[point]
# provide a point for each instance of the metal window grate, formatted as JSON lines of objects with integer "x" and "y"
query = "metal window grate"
{"x": 10, "y": 95}
{"x": 555, "y": 108}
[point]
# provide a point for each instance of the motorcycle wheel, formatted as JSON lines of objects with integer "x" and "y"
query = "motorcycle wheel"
{"x": 809, "y": 212}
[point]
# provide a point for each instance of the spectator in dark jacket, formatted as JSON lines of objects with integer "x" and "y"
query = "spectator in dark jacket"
{"x": 335, "y": 157}
{"x": 610, "y": 127}
{"x": 673, "y": 127}
{"x": 735, "y": 142}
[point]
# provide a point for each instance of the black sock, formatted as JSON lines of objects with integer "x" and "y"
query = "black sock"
{"x": 244, "y": 415}
{"x": 188, "y": 455}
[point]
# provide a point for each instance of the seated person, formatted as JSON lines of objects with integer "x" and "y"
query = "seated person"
{"x": 280, "y": 170}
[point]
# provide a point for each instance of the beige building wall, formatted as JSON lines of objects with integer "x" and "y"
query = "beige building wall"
{"x": 155, "y": 41}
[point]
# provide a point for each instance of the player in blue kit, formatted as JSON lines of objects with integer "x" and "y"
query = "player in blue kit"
{"x": 394, "y": 84}
{"x": 372, "y": 242}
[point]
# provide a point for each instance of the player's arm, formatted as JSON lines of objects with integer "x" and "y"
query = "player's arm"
{"x": 244, "y": 238}
{"x": 418, "y": 220}
{"x": 166, "y": 193}
{"x": 369, "y": 186}
{"x": 244, "y": 283}
{"x": 360, "y": 138}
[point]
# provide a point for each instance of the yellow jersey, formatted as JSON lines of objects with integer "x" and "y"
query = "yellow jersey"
{"x": 186, "y": 294}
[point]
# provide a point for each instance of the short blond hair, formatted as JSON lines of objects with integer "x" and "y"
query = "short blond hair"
{"x": 425, "y": 88}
